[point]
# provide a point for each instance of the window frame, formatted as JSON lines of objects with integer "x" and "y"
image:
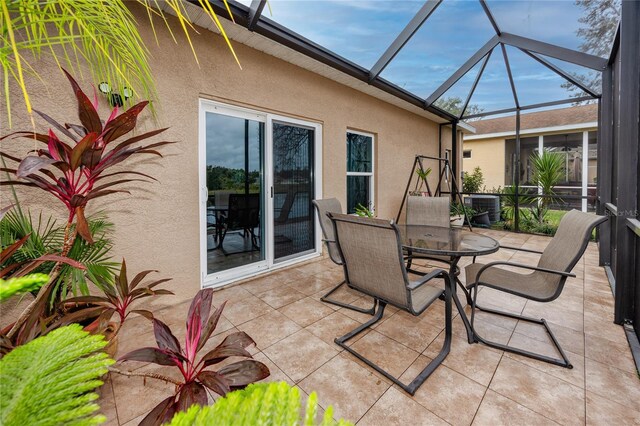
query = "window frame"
{"x": 371, "y": 174}
{"x": 464, "y": 151}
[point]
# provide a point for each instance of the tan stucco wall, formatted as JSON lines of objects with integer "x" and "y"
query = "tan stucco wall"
{"x": 488, "y": 154}
{"x": 157, "y": 227}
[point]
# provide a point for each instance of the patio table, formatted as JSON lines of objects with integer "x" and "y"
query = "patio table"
{"x": 452, "y": 242}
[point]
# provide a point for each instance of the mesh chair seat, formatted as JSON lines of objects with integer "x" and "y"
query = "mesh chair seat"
{"x": 424, "y": 295}
{"x": 533, "y": 285}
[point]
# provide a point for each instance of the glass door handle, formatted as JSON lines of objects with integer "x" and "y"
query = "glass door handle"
{"x": 272, "y": 192}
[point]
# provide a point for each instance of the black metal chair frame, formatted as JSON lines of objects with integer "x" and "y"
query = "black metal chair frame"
{"x": 326, "y": 298}
{"x": 474, "y": 287}
{"x": 413, "y": 386}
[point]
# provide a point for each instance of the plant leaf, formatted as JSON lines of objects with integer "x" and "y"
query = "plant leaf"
{"x": 162, "y": 413}
{"x": 164, "y": 337}
{"x": 202, "y": 304}
{"x": 32, "y": 164}
{"x": 57, "y": 125}
{"x": 242, "y": 373}
{"x": 86, "y": 112}
{"x": 139, "y": 277}
{"x": 124, "y": 123}
{"x": 153, "y": 355}
{"x": 191, "y": 393}
{"x": 211, "y": 326}
{"x": 78, "y": 150}
{"x": 214, "y": 381}
{"x": 147, "y": 314}
{"x": 121, "y": 281}
{"x": 82, "y": 226}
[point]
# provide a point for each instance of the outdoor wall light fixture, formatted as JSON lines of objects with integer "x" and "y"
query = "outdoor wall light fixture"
{"x": 115, "y": 99}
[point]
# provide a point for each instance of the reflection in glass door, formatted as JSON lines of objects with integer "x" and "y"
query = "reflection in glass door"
{"x": 293, "y": 190}
{"x": 234, "y": 181}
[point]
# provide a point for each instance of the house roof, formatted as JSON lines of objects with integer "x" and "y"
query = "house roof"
{"x": 539, "y": 120}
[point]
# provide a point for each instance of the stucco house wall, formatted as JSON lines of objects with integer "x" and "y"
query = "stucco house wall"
{"x": 157, "y": 226}
{"x": 488, "y": 154}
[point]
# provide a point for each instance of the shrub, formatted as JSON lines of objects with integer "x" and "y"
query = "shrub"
{"x": 472, "y": 182}
{"x": 276, "y": 404}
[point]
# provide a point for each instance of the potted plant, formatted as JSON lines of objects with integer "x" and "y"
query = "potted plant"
{"x": 420, "y": 183}
{"x": 458, "y": 214}
{"x": 481, "y": 218}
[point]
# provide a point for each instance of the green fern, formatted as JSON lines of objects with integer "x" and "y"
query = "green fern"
{"x": 276, "y": 404}
{"x": 49, "y": 380}
{"x": 47, "y": 237}
{"x": 21, "y": 285}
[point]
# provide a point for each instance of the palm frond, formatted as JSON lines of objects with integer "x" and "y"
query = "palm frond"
{"x": 102, "y": 35}
{"x": 50, "y": 380}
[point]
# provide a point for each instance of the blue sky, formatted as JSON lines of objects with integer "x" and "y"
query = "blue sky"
{"x": 361, "y": 30}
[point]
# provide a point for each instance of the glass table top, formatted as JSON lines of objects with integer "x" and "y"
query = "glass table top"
{"x": 446, "y": 241}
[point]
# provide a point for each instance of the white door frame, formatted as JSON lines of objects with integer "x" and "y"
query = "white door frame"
{"x": 246, "y": 271}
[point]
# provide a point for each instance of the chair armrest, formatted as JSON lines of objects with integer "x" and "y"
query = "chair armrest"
{"x": 519, "y": 265}
{"x": 431, "y": 275}
{"x": 520, "y": 249}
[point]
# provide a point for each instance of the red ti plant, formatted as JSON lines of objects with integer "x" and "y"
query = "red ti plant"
{"x": 118, "y": 298}
{"x": 75, "y": 172}
{"x": 197, "y": 379}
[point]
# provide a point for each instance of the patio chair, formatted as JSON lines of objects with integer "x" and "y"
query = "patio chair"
{"x": 543, "y": 283}
{"x": 373, "y": 264}
{"x": 244, "y": 215}
{"x": 323, "y": 207}
{"x": 431, "y": 211}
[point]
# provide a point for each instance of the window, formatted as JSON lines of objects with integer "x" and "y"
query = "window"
{"x": 466, "y": 153}
{"x": 360, "y": 164}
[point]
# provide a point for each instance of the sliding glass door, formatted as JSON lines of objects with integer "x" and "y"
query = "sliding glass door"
{"x": 258, "y": 176}
{"x": 293, "y": 190}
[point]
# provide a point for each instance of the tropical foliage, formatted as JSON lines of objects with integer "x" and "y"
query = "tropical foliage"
{"x": 268, "y": 404}
{"x": 547, "y": 167}
{"x": 20, "y": 285}
{"x": 102, "y": 36}
{"x": 119, "y": 295}
{"x": 197, "y": 379}
{"x": 50, "y": 380}
{"x": 46, "y": 237}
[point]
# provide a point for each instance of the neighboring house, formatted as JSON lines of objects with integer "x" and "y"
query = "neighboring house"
{"x": 570, "y": 131}
{"x": 272, "y": 136}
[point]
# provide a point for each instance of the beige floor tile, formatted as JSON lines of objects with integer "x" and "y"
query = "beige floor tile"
{"x": 280, "y": 296}
{"x": 614, "y": 384}
{"x": 388, "y": 354}
{"x": 230, "y": 293}
{"x": 397, "y": 408}
{"x": 300, "y": 354}
{"x": 332, "y": 326}
{"x": 497, "y": 410}
{"x": 568, "y": 338}
{"x": 450, "y": 395}
{"x": 474, "y": 361}
{"x": 269, "y": 329}
{"x": 348, "y": 387}
{"x": 276, "y": 375}
{"x": 136, "y": 396}
{"x": 573, "y": 375}
{"x": 364, "y": 302}
{"x": 604, "y": 327}
{"x": 555, "y": 315}
{"x": 411, "y": 331}
{"x": 608, "y": 352}
{"x": 540, "y": 392}
{"x": 306, "y": 311}
{"x": 601, "y": 411}
{"x": 239, "y": 312}
{"x": 312, "y": 284}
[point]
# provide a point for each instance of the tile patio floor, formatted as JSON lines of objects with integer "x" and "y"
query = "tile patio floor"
{"x": 477, "y": 385}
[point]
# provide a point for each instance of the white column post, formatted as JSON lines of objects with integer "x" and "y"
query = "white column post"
{"x": 540, "y": 151}
{"x": 585, "y": 167}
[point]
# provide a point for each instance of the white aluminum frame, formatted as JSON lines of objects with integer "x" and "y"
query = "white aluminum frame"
{"x": 246, "y": 271}
{"x": 371, "y": 174}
